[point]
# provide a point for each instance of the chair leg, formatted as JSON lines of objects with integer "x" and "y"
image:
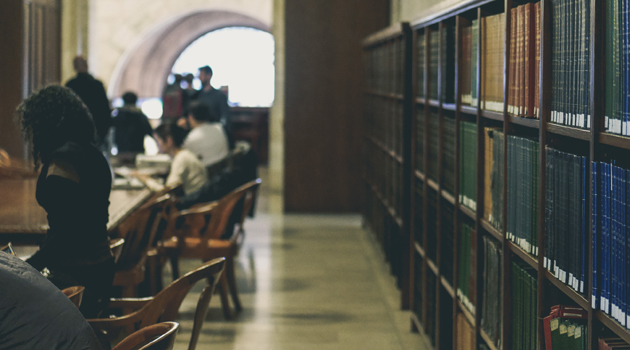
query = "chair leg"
{"x": 225, "y": 302}
{"x": 175, "y": 266}
{"x": 200, "y": 315}
{"x": 229, "y": 273}
{"x": 129, "y": 292}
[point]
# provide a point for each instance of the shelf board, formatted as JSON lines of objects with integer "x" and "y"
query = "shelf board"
{"x": 420, "y": 100}
{"x": 492, "y": 115}
{"x": 448, "y": 287}
{"x": 433, "y": 184}
{"x": 434, "y": 103}
{"x": 492, "y": 230}
{"x": 620, "y": 330}
{"x": 466, "y": 312}
{"x": 531, "y": 261}
{"x": 576, "y": 133}
{"x": 487, "y": 339}
{"x": 575, "y": 296}
{"x": 390, "y": 209}
{"x": 419, "y": 175}
{"x": 614, "y": 140}
{"x": 432, "y": 266}
{"x": 449, "y": 106}
{"x": 471, "y": 214}
{"x": 383, "y": 148}
{"x": 527, "y": 122}
{"x": 416, "y": 322}
{"x": 420, "y": 250}
{"x": 468, "y": 110}
{"x": 385, "y": 94}
{"x": 449, "y": 197}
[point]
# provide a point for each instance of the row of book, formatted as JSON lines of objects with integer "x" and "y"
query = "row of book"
{"x": 434, "y": 64}
{"x": 570, "y": 62}
{"x": 465, "y": 282}
{"x": 491, "y": 298}
{"x": 465, "y": 334}
{"x": 617, "y": 65}
{"x": 524, "y": 61}
{"x": 385, "y": 68}
{"x": 565, "y": 217}
{"x": 566, "y": 328}
{"x": 433, "y": 146}
{"x": 494, "y": 174}
{"x": 383, "y": 120}
{"x": 447, "y": 245}
{"x": 524, "y": 307}
{"x": 386, "y": 175}
{"x": 468, "y": 164}
{"x": 448, "y": 153}
{"x": 611, "y": 244}
{"x": 492, "y": 58}
{"x": 522, "y": 181}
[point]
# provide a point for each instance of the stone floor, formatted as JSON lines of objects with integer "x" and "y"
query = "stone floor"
{"x": 306, "y": 282}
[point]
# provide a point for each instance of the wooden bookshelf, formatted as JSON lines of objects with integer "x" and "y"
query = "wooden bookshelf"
{"x": 423, "y": 140}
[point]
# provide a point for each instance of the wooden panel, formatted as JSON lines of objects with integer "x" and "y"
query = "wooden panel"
{"x": 324, "y": 68}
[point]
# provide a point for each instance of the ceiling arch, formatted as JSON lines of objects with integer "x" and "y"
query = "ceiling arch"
{"x": 145, "y": 67}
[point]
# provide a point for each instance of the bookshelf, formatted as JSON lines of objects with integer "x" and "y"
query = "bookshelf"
{"x": 416, "y": 155}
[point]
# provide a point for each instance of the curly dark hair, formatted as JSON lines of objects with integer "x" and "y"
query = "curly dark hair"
{"x": 53, "y": 116}
{"x": 173, "y": 130}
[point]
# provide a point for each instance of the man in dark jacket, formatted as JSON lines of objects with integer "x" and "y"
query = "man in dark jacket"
{"x": 130, "y": 125}
{"x": 92, "y": 93}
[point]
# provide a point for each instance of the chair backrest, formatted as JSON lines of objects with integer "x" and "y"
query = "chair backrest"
{"x": 116, "y": 246}
{"x": 248, "y": 202}
{"x": 139, "y": 229}
{"x": 159, "y": 336}
{"x": 75, "y": 294}
{"x": 222, "y": 212}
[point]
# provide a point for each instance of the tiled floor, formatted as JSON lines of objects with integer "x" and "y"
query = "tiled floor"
{"x": 306, "y": 282}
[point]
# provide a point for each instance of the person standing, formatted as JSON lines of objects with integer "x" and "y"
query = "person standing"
{"x": 216, "y": 101}
{"x": 173, "y": 99}
{"x": 130, "y": 126}
{"x": 92, "y": 93}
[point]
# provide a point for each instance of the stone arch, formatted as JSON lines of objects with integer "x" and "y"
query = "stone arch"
{"x": 145, "y": 66}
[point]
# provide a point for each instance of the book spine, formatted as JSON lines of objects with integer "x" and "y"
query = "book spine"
{"x": 595, "y": 227}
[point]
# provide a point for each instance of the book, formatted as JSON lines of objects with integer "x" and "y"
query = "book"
{"x": 464, "y": 268}
{"x": 468, "y": 165}
{"x": 492, "y": 55}
{"x": 491, "y": 300}
{"x": 466, "y": 70}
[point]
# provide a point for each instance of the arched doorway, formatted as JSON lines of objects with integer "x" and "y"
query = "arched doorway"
{"x": 145, "y": 67}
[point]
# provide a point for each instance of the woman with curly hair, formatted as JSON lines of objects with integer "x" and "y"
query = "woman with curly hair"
{"x": 73, "y": 187}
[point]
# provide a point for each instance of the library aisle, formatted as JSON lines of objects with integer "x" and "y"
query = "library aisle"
{"x": 306, "y": 282}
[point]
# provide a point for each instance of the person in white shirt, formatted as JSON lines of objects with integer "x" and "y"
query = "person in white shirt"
{"x": 186, "y": 167}
{"x": 207, "y": 138}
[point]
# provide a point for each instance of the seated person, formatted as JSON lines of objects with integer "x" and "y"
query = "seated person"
{"x": 207, "y": 138}
{"x": 186, "y": 167}
{"x": 130, "y": 126}
{"x": 36, "y": 314}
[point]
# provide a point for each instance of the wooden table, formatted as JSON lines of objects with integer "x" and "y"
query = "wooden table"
{"x": 23, "y": 221}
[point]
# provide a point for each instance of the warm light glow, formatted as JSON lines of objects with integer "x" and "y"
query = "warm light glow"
{"x": 241, "y": 59}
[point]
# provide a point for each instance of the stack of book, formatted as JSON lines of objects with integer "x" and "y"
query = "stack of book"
{"x": 565, "y": 218}
{"x": 522, "y": 220}
{"x": 447, "y": 246}
{"x": 448, "y": 153}
{"x": 432, "y": 203}
{"x": 466, "y": 70}
{"x": 418, "y": 215}
{"x": 465, "y": 334}
{"x": 617, "y": 59}
{"x": 420, "y": 64}
{"x": 491, "y": 293}
{"x": 465, "y": 267}
{"x": 492, "y": 58}
{"x": 420, "y": 140}
{"x": 493, "y": 177}
{"x": 570, "y": 59}
{"x": 566, "y": 328}
{"x": 611, "y": 246}
{"x": 524, "y": 60}
{"x": 524, "y": 307}
{"x": 434, "y": 144}
{"x": 468, "y": 165}
{"x": 448, "y": 65}
{"x": 434, "y": 63}
{"x": 612, "y": 344}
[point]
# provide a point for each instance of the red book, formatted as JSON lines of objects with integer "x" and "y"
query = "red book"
{"x": 547, "y": 330}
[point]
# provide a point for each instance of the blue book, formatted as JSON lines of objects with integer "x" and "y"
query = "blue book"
{"x": 627, "y": 251}
{"x": 609, "y": 251}
{"x": 621, "y": 220}
{"x": 594, "y": 218}
{"x": 613, "y": 244}
{"x": 583, "y": 241}
{"x": 606, "y": 239}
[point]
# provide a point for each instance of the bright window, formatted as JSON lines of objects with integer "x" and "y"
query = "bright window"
{"x": 241, "y": 59}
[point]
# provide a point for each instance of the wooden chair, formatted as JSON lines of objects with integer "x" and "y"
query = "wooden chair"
{"x": 201, "y": 239}
{"x": 160, "y": 336}
{"x": 75, "y": 294}
{"x": 138, "y": 232}
{"x": 116, "y": 246}
{"x": 164, "y": 306}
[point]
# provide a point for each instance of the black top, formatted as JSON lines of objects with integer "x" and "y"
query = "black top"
{"x": 74, "y": 188}
{"x": 92, "y": 93}
{"x": 37, "y": 315}
{"x": 130, "y": 127}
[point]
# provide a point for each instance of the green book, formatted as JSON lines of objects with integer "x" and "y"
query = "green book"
{"x": 554, "y": 326}
{"x": 475, "y": 50}
{"x": 565, "y": 343}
